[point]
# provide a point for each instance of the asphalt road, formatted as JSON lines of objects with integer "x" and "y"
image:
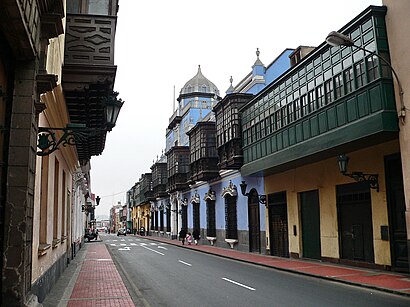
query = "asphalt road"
{"x": 167, "y": 275}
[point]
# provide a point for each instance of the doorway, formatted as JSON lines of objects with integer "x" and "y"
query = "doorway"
{"x": 355, "y": 222}
{"x": 278, "y": 224}
{"x": 310, "y": 215}
{"x": 396, "y": 208}
{"x": 254, "y": 222}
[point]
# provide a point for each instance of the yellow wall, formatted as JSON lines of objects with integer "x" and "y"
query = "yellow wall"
{"x": 324, "y": 176}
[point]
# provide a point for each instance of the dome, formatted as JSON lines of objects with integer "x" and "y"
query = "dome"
{"x": 199, "y": 84}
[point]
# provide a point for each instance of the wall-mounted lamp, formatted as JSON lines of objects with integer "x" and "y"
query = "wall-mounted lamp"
{"x": 243, "y": 185}
{"x": 97, "y": 200}
{"x": 372, "y": 179}
{"x": 338, "y": 39}
{"x": 48, "y": 142}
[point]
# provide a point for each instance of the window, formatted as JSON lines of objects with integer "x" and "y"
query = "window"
{"x": 231, "y": 223}
{"x": 210, "y": 218}
{"x": 304, "y": 105}
{"x": 195, "y": 213}
{"x": 161, "y": 220}
{"x": 64, "y": 210}
{"x": 156, "y": 220}
{"x": 320, "y": 94}
{"x": 312, "y": 101}
{"x": 360, "y": 74}
{"x": 95, "y": 7}
{"x": 184, "y": 212}
{"x": 43, "y": 200}
{"x": 298, "y": 111}
{"x": 169, "y": 219}
{"x": 329, "y": 91}
{"x": 348, "y": 76}
{"x": 56, "y": 197}
{"x": 338, "y": 86}
{"x": 372, "y": 68}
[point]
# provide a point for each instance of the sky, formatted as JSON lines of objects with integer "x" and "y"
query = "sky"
{"x": 159, "y": 45}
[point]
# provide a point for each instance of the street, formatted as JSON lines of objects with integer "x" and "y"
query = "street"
{"x": 168, "y": 275}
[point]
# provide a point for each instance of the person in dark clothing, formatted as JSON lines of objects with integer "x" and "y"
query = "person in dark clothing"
{"x": 182, "y": 235}
{"x": 196, "y": 236}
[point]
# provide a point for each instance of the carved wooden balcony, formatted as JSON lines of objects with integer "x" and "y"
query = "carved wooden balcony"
{"x": 178, "y": 168}
{"x": 203, "y": 154}
{"x": 159, "y": 179}
{"x": 228, "y": 130}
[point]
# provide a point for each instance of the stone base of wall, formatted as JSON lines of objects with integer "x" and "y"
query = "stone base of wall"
{"x": 43, "y": 285}
{"x": 243, "y": 240}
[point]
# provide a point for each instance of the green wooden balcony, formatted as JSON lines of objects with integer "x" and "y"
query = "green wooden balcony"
{"x": 337, "y": 99}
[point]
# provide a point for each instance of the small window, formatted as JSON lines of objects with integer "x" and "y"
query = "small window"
{"x": 360, "y": 74}
{"x": 321, "y": 101}
{"x": 338, "y": 86}
{"x": 372, "y": 68}
{"x": 348, "y": 78}
{"x": 329, "y": 91}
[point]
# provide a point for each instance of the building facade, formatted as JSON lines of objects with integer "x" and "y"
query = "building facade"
{"x": 336, "y": 105}
{"x": 47, "y": 82}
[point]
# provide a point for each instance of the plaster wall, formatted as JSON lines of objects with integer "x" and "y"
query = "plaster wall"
{"x": 325, "y": 176}
{"x": 398, "y": 23}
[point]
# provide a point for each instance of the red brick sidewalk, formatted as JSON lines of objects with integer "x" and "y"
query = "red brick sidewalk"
{"x": 376, "y": 279}
{"x": 99, "y": 283}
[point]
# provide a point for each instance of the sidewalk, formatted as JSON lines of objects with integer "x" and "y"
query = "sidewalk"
{"x": 91, "y": 279}
{"x": 397, "y": 283}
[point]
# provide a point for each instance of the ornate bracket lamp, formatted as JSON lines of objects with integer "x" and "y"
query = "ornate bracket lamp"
{"x": 262, "y": 197}
{"x": 72, "y": 133}
{"x": 372, "y": 179}
{"x": 338, "y": 39}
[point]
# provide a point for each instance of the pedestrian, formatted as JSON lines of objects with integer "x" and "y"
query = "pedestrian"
{"x": 182, "y": 235}
{"x": 196, "y": 236}
{"x": 189, "y": 238}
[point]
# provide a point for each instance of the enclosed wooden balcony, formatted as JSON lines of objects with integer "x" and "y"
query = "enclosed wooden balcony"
{"x": 159, "y": 179}
{"x": 228, "y": 130}
{"x": 177, "y": 168}
{"x": 146, "y": 192}
{"x": 337, "y": 99}
{"x": 89, "y": 72}
{"x": 203, "y": 154}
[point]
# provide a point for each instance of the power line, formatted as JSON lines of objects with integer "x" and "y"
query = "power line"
{"x": 113, "y": 194}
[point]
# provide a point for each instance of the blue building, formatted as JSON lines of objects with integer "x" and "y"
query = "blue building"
{"x": 203, "y": 161}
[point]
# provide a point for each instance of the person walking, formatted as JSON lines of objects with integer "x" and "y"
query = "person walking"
{"x": 182, "y": 235}
{"x": 196, "y": 236}
{"x": 189, "y": 238}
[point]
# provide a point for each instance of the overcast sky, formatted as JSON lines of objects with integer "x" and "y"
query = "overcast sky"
{"x": 159, "y": 45}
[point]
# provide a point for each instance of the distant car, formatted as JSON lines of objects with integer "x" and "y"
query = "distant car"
{"x": 122, "y": 232}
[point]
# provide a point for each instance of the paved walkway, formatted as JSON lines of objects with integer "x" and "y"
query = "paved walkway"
{"x": 376, "y": 279}
{"x": 92, "y": 278}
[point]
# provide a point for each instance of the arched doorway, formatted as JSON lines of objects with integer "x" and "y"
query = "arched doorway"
{"x": 254, "y": 222}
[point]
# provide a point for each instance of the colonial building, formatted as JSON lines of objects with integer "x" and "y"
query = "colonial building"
{"x": 43, "y": 104}
{"x": 334, "y": 106}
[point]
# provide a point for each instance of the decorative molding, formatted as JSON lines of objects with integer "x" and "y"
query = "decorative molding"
{"x": 195, "y": 198}
{"x": 210, "y": 195}
{"x": 230, "y": 190}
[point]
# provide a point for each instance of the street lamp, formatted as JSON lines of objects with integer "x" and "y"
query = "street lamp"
{"x": 338, "y": 39}
{"x": 243, "y": 185}
{"x": 73, "y": 132}
{"x": 371, "y": 179}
